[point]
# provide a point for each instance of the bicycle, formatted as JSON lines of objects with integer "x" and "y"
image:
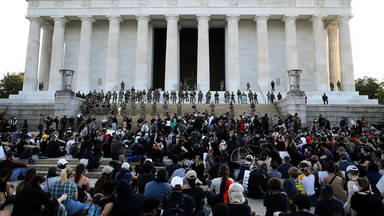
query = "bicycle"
{"x": 239, "y": 154}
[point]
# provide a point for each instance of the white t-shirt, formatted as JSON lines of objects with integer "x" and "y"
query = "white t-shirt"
{"x": 308, "y": 183}
{"x": 217, "y": 182}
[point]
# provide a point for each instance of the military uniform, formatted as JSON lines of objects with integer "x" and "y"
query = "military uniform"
{"x": 253, "y": 106}
{"x": 142, "y": 106}
{"x": 173, "y": 96}
{"x": 121, "y": 94}
{"x": 165, "y": 107}
{"x": 232, "y": 98}
{"x": 192, "y": 95}
{"x": 222, "y": 85}
{"x": 114, "y": 97}
{"x": 123, "y": 109}
{"x": 179, "y": 109}
{"x": 231, "y": 110}
{"x": 193, "y": 107}
{"x": 250, "y": 97}
{"x": 208, "y": 97}
{"x": 255, "y": 98}
{"x": 133, "y": 109}
{"x": 200, "y": 97}
{"x": 279, "y": 96}
{"x": 212, "y": 107}
{"x": 149, "y": 96}
{"x": 216, "y": 97}
{"x": 154, "y": 107}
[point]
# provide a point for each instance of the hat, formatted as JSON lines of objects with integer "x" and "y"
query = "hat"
{"x": 249, "y": 158}
{"x": 125, "y": 166}
{"x": 106, "y": 136}
{"x": 10, "y": 154}
{"x": 107, "y": 170}
{"x": 148, "y": 160}
{"x": 177, "y": 180}
{"x": 309, "y": 140}
{"x": 62, "y": 162}
{"x": 187, "y": 163}
{"x": 45, "y": 136}
{"x": 351, "y": 168}
{"x": 191, "y": 174}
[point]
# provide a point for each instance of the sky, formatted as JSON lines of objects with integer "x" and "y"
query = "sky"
{"x": 366, "y": 26}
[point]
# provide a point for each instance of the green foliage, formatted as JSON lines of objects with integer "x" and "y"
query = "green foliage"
{"x": 370, "y": 86}
{"x": 11, "y": 83}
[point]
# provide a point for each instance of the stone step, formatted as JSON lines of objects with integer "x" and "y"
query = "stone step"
{"x": 45, "y": 167}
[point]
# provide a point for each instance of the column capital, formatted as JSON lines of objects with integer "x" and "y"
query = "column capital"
{"x": 317, "y": 17}
{"x": 60, "y": 18}
{"x": 233, "y": 17}
{"x": 115, "y": 17}
{"x": 87, "y": 18}
{"x": 290, "y": 17}
{"x": 46, "y": 26}
{"x": 344, "y": 17}
{"x": 203, "y": 17}
{"x": 143, "y": 17}
{"x": 333, "y": 25}
{"x": 264, "y": 17}
{"x": 172, "y": 17}
{"x": 34, "y": 18}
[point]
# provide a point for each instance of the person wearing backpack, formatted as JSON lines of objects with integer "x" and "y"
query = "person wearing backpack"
{"x": 219, "y": 186}
{"x": 292, "y": 186}
{"x": 177, "y": 203}
{"x": 102, "y": 204}
{"x": 126, "y": 201}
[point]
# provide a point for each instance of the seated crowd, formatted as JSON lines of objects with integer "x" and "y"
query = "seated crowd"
{"x": 336, "y": 170}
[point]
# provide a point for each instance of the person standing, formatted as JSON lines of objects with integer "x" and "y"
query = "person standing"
{"x": 40, "y": 124}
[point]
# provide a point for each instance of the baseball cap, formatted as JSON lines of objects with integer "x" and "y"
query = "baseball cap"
{"x": 107, "y": 170}
{"x": 191, "y": 174}
{"x": 45, "y": 136}
{"x": 125, "y": 166}
{"x": 249, "y": 158}
{"x": 351, "y": 168}
{"x": 148, "y": 160}
{"x": 62, "y": 162}
{"x": 177, "y": 180}
{"x": 187, "y": 163}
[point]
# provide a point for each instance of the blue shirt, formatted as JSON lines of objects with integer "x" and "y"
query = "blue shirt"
{"x": 127, "y": 176}
{"x": 283, "y": 169}
{"x": 158, "y": 190}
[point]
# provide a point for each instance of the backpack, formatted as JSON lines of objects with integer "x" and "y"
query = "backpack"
{"x": 289, "y": 187}
{"x": 175, "y": 207}
{"x": 257, "y": 183}
{"x": 299, "y": 187}
{"x": 94, "y": 208}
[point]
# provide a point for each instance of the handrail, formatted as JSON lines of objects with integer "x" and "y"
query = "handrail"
{"x": 260, "y": 91}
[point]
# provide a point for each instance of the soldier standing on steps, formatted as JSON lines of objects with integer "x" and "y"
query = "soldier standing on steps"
{"x": 332, "y": 86}
{"x": 166, "y": 97}
{"x": 149, "y": 96}
{"x": 193, "y": 107}
{"x": 133, "y": 109}
{"x": 248, "y": 86}
{"x": 142, "y": 106}
{"x": 192, "y": 95}
{"x": 200, "y": 97}
{"x": 338, "y": 85}
{"x": 122, "y": 86}
{"x": 208, "y": 97}
{"x": 253, "y": 106}
{"x": 179, "y": 108}
{"x": 216, "y": 97}
{"x": 212, "y": 107}
{"x": 272, "y": 97}
{"x": 165, "y": 107}
{"x": 123, "y": 110}
{"x": 268, "y": 97}
{"x": 186, "y": 96}
{"x": 154, "y": 107}
{"x": 325, "y": 98}
{"x": 114, "y": 97}
{"x": 273, "y": 85}
{"x": 222, "y": 85}
{"x": 121, "y": 94}
{"x": 126, "y": 96}
{"x": 238, "y": 96}
{"x": 250, "y": 97}
{"x": 232, "y": 98}
{"x": 255, "y": 98}
{"x": 279, "y": 96}
{"x": 231, "y": 110}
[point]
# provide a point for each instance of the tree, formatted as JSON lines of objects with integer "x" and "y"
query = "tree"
{"x": 11, "y": 83}
{"x": 370, "y": 86}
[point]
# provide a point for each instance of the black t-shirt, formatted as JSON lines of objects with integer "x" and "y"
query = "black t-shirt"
{"x": 20, "y": 147}
{"x": 29, "y": 202}
{"x": 297, "y": 214}
{"x": 276, "y": 202}
{"x": 325, "y": 208}
{"x": 239, "y": 209}
{"x": 197, "y": 194}
{"x": 101, "y": 203}
{"x": 367, "y": 204}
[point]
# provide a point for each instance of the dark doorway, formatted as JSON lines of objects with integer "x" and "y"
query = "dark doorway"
{"x": 216, "y": 57}
{"x": 160, "y": 39}
{"x": 188, "y": 56}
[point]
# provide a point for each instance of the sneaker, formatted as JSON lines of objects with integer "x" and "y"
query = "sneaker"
{"x": 31, "y": 162}
{"x": 42, "y": 157}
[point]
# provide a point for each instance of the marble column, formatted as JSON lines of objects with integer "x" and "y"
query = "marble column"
{"x": 232, "y": 76}
{"x": 264, "y": 79}
{"x": 57, "y": 57}
{"x": 45, "y": 55}
{"x": 203, "y": 67}
{"x": 84, "y": 66}
{"x": 32, "y": 58}
{"x": 321, "y": 71}
{"x": 172, "y": 69}
{"x": 113, "y": 53}
{"x": 346, "y": 61}
{"x": 292, "y": 56}
{"x": 334, "y": 57}
{"x": 142, "y": 79}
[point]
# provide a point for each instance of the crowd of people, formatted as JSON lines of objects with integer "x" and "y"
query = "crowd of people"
{"x": 335, "y": 169}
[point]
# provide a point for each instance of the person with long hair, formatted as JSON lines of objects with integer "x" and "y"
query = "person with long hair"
{"x": 219, "y": 185}
{"x": 82, "y": 182}
{"x": 275, "y": 200}
{"x": 328, "y": 205}
{"x": 27, "y": 179}
{"x": 308, "y": 181}
{"x": 364, "y": 202}
{"x": 105, "y": 200}
{"x": 66, "y": 186}
{"x": 197, "y": 193}
{"x": 104, "y": 177}
{"x": 198, "y": 167}
{"x": 7, "y": 189}
{"x": 51, "y": 177}
{"x": 29, "y": 200}
{"x": 293, "y": 152}
{"x": 336, "y": 182}
{"x": 125, "y": 173}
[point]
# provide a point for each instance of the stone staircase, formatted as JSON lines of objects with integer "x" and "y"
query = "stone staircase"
{"x": 42, "y": 165}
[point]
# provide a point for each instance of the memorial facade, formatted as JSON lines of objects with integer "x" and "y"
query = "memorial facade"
{"x": 160, "y": 43}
